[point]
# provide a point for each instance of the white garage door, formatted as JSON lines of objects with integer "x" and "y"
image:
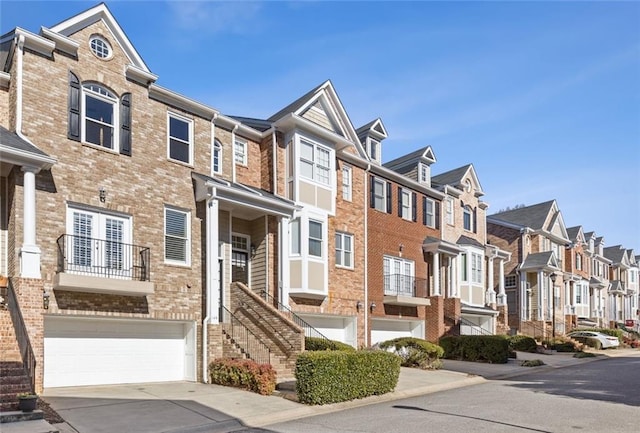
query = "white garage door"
{"x": 383, "y": 330}
{"x": 80, "y": 351}
{"x": 341, "y": 329}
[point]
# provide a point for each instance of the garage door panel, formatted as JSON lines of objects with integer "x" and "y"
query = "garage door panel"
{"x": 91, "y": 352}
{"x": 383, "y": 330}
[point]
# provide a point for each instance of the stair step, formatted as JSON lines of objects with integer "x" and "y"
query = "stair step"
{"x": 13, "y": 379}
{"x": 18, "y": 415}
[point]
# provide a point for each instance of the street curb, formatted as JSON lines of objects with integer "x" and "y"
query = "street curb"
{"x": 307, "y": 411}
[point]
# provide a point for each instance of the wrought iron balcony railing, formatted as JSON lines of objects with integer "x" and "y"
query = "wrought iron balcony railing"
{"x": 405, "y": 285}
{"x": 102, "y": 258}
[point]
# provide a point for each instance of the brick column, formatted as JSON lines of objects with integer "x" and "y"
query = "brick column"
{"x": 435, "y": 319}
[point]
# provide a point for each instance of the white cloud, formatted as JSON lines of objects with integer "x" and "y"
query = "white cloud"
{"x": 211, "y": 17}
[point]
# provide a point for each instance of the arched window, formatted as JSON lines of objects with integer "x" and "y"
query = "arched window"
{"x": 100, "y": 114}
{"x": 217, "y": 156}
{"x": 467, "y": 218}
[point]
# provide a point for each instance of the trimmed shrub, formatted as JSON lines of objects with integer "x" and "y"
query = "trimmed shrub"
{"x": 415, "y": 352}
{"x": 479, "y": 348}
{"x": 243, "y": 373}
{"x": 332, "y": 376}
{"x": 523, "y": 343}
{"x": 564, "y": 344}
{"x": 315, "y": 343}
{"x": 532, "y": 363}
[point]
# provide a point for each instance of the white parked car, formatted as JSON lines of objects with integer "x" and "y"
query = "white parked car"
{"x": 605, "y": 340}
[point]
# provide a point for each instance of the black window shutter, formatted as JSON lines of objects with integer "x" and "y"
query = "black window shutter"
{"x": 424, "y": 210}
{"x": 399, "y": 201}
{"x": 125, "y": 124}
{"x": 372, "y": 196}
{"x": 475, "y": 222}
{"x": 414, "y": 205}
{"x": 73, "y": 128}
{"x": 437, "y": 212}
{"x": 389, "y": 198}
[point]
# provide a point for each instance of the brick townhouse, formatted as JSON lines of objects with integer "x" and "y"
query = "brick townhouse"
{"x": 622, "y": 303}
{"x": 536, "y": 237}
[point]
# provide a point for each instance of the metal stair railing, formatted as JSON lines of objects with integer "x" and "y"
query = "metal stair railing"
{"x": 246, "y": 340}
{"x": 309, "y": 331}
{"x": 257, "y": 314}
{"x": 460, "y": 321}
{"x": 26, "y": 350}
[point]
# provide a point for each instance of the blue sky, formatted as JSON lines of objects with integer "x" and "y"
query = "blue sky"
{"x": 542, "y": 97}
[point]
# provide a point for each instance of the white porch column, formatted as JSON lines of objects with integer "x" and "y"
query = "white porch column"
{"x": 436, "y": 275}
{"x": 502, "y": 295}
{"x": 540, "y": 315}
{"x": 569, "y": 298}
{"x": 283, "y": 252}
{"x": 29, "y": 252}
{"x": 213, "y": 262}
{"x": 525, "y": 300}
{"x": 491, "y": 293}
{"x": 455, "y": 278}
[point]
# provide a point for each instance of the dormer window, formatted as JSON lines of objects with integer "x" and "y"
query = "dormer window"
{"x": 374, "y": 150}
{"x": 467, "y": 185}
{"x": 423, "y": 173}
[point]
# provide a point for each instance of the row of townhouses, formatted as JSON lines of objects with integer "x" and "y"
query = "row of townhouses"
{"x": 144, "y": 233}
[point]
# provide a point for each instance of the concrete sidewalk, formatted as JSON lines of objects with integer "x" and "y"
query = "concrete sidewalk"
{"x": 195, "y": 407}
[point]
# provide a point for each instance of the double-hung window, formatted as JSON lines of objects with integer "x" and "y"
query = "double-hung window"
{"x": 346, "y": 182}
{"x": 315, "y": 238}
{"x": 177, "y": 235}
{"x": 295, "y": 236}
{"x": 424, "y": 173}
{"x": 180, "y": 131}
{"x": 430, "y": 218}
{"x": 464, "y": 272}
{"x": 476, "y": 268}
{"x": 379, "y": 194}
{"x": 405, "y": 204}
{"x": 315, "y": 162}
{"x": 240, "y": 151}
{"x": 450, "y": 215}
{"x": 100, "y": 114}
{"x": 374, "y": 150}
{"x": 344, "y": 250}
{"x": 467, "y": 218}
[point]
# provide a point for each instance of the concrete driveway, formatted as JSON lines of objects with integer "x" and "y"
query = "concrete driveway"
{"x": 152, "y": 407}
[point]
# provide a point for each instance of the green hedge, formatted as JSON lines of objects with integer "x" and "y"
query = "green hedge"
{"x": 415, "y": 352}
{"x": 314, "y": 343}
{"x": 484, "y": 348}
{"x": 334, "y": 376}
{"x": 523, "y": 343}
{"x": 243, "y": 373}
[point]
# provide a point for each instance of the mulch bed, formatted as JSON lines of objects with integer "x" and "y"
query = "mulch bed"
{"x": 50, "y": 415}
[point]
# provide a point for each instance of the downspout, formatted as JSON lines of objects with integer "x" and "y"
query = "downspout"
{"x": 266, "y": 253}
{"x": 366, "y": 259}
{"x": 233, "y": 151}
{"x": 20, "y": 46}
{"x": 274, "y": 162}
{"x": 207, "y": 317}
{"x": 213, "y": 141}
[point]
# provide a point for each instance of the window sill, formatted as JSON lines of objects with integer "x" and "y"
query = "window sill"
{"x": 178, "y": 265}
{"x": 346, "y": 268}
{"x": 102, "y": 148}
{"x": 177, "y": 161}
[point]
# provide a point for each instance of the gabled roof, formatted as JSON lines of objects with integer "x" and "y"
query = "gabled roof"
{"x": 543, "y": 260}
{"x": 375, "y": 128}
{"x": 533, "y": 216}
{"x": 93, "y": 15}
{"x": 575, "y": 234}
{"x": 257, "y": 124}
{"x": 326, "y": 103}
{"x": 456, "y": 178}
{"x": 424, "y": 154}
{"x": 616, "y": 254}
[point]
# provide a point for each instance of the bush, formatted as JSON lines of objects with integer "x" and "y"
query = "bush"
{"x": 523, "y": 343}
{"x": 243, "y": 373}
{"x": 334, "y": 376}
{"x": 583, "y": 355}
{"x": 415, "y": 352}
{"x": 532, "y": 363}
{"x": 563, "y": 344}
{"x": 315, "y": 343}
{"x": 479, "y": 348}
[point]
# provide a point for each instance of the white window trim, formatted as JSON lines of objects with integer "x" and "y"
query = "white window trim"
{"x": 372, "y": 143}
{"x": 314, "y": 163}
{"x": 377, "y": 180}
{"x": 244, "y": 157}
{"x": 187, "y": 261}
{"x": 450, "y": 211}
{"x": 342, "y": 250}
{"x": 508, "y": 278}
{"x": 190, "y": 142}
{"x": 432, "y": 214}
{"x": 423, "y": 173}
{"x": 467, "y": 210}
{"x": 216, "y": 148}
{"x": 407, "y": 208}
{"x": 347, "y": 183}
{"x": 116, "y": 116}
{"x": 477, "y": 268}
{"x": 323, "y": 240}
